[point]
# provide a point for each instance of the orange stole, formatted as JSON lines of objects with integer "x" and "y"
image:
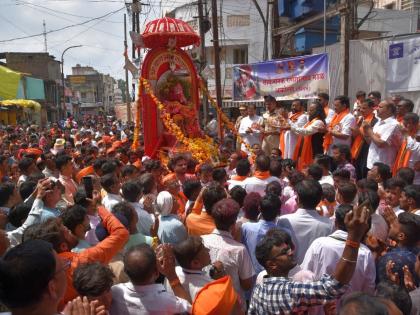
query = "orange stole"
{"x": 303, "y": 149}
{"x": 182, "y": 201}
{"x": 358, "y": 141}
{"x": 403, "y": 157}
{"x": 334, "y": 122}
{"x": 282, "y": 145}
{"x": 262, "y": 175}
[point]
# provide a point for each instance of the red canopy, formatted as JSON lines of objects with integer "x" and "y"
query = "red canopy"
{"x": 169, "y": 32}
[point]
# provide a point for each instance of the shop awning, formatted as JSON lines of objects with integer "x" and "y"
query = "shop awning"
{"x": 22, "y": 103}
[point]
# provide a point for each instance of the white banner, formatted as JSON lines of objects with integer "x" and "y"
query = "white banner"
{"x": 403, "y": 68}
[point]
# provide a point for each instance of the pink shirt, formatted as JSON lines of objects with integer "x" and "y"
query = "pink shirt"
{"x": 290, "y": 206}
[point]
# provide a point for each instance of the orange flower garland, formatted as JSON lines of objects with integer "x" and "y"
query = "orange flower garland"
{"x": 202, "y": 149}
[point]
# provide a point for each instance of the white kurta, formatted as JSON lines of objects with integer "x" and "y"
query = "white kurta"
{"x": 290, "y": 137}
{"x": 414, "y": 146}
{"x": 250, "y": 138}
{"x": 389, "y": 131}
{"x": 344, "y": 127}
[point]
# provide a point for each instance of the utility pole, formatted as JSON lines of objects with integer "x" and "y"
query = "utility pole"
{"x": 346, "y": 15}
{"x": 216, "y": 47}
{"x": 203, "y": 57}
{"x": 45, "y": 36}
{"x": 265, "y": 23}
{"x": 127, "y": 92}
{"x": 134, "y": 19}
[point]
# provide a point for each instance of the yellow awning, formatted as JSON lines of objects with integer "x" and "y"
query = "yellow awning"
{"x": 23, "y": 103}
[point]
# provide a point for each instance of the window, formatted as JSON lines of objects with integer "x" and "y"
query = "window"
{"x": 83, "y": 95}
{"x": 240, "y": 55}
{"x": 390, "y": 6}
{"x": 238, "y": 20}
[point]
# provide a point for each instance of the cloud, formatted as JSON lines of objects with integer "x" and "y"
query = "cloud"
{"x": 102, "y": 40}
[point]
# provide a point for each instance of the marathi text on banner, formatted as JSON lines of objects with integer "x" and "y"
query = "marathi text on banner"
{"x": 300, "y": 77}
{"x": 403, "y": 65}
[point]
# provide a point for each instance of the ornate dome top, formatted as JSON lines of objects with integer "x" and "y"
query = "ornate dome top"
{"x": 169, "y": 32}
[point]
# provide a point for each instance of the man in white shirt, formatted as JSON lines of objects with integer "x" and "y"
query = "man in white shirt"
{"x": 131, "y": 192}
{"x": 339, "y": 130}
{"x": 409, "y": 153}
{"x": 64, "y": 165}
{"x": 324, "y": 99}
{"x": 306, "y": 224}
{"x": 385, "y": 136}
{"x": 324, "y": 254}
{"x": 142, "y": 295}
{"x": 223, "y": 247}
{"x": 27, "y": 167}
{"x": 325, "y": 162}
{"x": 111, "y": 185}
{"x": 261, "y": 178}
{"x": 243, "y": 168}
{"x": 393, "y": 189}
{"x": 297, "y": 118}
{"x": 192, "y": 256}
{"x": 250, "y": 128}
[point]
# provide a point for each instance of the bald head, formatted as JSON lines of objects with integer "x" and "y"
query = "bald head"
{"x": 386, "y": 109}
{"x": 140, "y": 264}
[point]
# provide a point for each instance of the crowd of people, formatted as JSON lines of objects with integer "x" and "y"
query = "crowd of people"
{"x": 315, "y": 210}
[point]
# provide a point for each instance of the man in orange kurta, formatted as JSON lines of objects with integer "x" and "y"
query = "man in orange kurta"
{"x": 199, "y": 221}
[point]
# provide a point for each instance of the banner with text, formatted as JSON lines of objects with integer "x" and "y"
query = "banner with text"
{"x": 300, "y": 77}
{"x": 403, "y": 66}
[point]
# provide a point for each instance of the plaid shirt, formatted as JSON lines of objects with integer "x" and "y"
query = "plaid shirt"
{"x": 279, "y": 295}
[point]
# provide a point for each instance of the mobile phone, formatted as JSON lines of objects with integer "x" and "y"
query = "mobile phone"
{"x": 88, "y": 184}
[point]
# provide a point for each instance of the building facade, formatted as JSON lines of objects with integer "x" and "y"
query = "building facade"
{"x": 94, "y": 90}
{"x": 42, "y": 66}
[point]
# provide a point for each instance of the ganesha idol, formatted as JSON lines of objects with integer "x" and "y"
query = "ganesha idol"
{"x": 174, "y": 94}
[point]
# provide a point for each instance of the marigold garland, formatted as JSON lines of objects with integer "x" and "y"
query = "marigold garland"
{"x": 202, "y": 149}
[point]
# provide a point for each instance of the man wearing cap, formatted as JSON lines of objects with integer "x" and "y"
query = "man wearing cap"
{"x": 271, "y": 125}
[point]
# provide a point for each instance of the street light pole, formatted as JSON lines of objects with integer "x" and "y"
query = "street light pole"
{"x": 63, "y": 103}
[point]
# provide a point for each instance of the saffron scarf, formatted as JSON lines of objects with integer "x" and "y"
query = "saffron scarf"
{"x": 303, "y": 150}
{"x": 262, "y": 175}
{"x": 403, "y": 157}
{"x": 328, "y": 139}
{"x": 358, "y": 140}
{"x": 282, "y": 145}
